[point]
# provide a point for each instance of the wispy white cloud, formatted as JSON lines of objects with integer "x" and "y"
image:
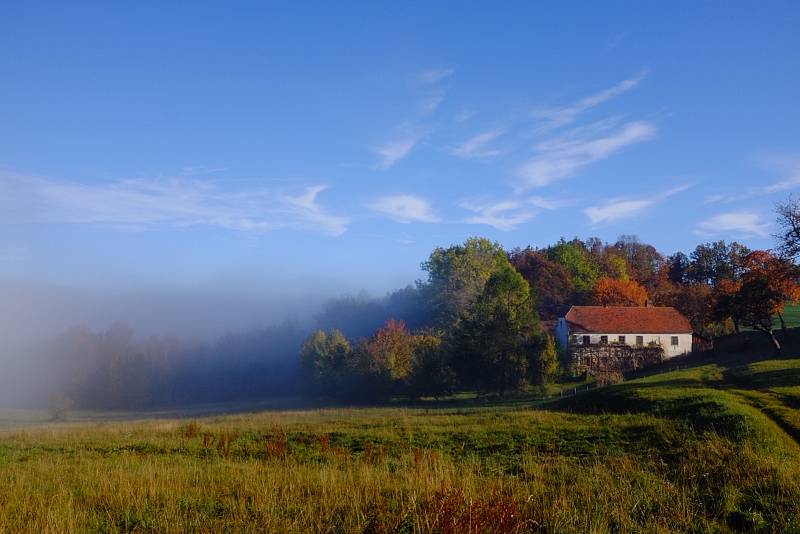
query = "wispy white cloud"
{"x": 306, "y": 209}
{"x": 401, "y": 239}
{"x": 430, "y": 102}
{"x": 616, "y": 209}
{"x": 508, "y": 214}
{"x": 505, "y": 215}
{"x": 622, "y": 208}
{"x": 433, "y": 76}
{"x": 548, "y": 203}
{"x": 789, "y": 167}
{"x": 429, "y": 94}
{"x": 196, "y": 170}
{"x": 726, "y": 198}
{"x": 561, "y": 116}
{"x": 465, "y": 115}
{"x": 393, "y": 151}
{"x": 476, "y": 147}
{"x": 562, "y": 158}
{"x": 735, "y": 222}
{"x": 432, "y": 89}
{"x": 405, "y": 208}
{"x": 176, "y": 202}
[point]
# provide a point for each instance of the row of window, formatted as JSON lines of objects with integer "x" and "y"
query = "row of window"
{"x": 587, "y": 340}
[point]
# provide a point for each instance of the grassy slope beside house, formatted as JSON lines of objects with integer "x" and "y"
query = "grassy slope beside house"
{"x": 708, "y": 448}
{"x": 791, "y": 315}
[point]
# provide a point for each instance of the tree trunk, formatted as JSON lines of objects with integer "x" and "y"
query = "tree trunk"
{"x": 736, "y": 327}
{"x": 783, "y": 327}
{"x": 771, "y": 334}
{"x": 775, "y": 341}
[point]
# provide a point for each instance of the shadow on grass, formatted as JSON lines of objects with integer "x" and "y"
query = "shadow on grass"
{"x": 745, "y": 379}
{"x": 702, "y": 406}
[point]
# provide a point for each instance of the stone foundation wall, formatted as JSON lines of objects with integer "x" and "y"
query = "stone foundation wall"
{"x": 606, "y": 359}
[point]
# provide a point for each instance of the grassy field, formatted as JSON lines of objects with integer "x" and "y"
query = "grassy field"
{"x": 791, "y": 315}
{"x": 710, "y": 448}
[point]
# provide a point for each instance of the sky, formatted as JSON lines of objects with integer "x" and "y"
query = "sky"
{"x": 286, "y": 150}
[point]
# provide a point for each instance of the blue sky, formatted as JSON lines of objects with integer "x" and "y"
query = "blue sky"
{"x": 289, "y": 148}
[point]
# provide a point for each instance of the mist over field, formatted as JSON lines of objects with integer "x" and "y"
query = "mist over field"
{"x": 35, "y": 317}
{"x": 55, "y": 337}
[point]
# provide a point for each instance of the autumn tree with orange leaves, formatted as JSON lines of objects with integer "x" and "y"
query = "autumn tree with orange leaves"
{"x": 391, "y": 350}
{"x": 616, "y": 292}
{"x": 782, "y": 277}
{"x": 766, "y": 286}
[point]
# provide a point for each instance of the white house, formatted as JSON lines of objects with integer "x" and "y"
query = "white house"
{"x": 635, "y": 326}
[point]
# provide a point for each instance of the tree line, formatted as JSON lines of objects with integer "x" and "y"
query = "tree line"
{"x": 480, "y": 320}
{"x": 477, "y": 329}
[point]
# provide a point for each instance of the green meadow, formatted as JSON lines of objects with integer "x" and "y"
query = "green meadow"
{"x": 712, "y": 447}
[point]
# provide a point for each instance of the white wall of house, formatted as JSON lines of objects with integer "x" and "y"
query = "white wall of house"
{"x": 562, "y": 332}
{"x": 683, "y": 346}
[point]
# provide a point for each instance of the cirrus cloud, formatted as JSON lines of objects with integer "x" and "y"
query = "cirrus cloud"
{"x": 735, "y": 223}
{"x": 176, "y": 202}
{"x": 476, "y": 147}
{"x": 405, "y": 209}
{"x": 393, "y": 151}
{"x": 615, "y": 209}
{"x": 560, "y": 116}
{"x": 562, "y": 158}
{"x": 508, "y": 214}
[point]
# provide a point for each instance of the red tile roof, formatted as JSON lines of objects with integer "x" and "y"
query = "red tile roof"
{"x": 627, "y": 320}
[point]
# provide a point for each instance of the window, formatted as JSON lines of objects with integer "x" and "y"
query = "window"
{"x": 574, "y": 339}
{"x": 639, "y": 341}
{"x": 674, "y": 341}
{"x": 622, "y": 339}
{"x": 603, "y": 340}
{"x": 587, "y": 340}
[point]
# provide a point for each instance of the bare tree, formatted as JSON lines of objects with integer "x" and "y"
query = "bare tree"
{"x": 788, "y": 221}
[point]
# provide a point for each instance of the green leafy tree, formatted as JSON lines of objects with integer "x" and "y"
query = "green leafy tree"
{"x": 677, "y": 267}
{"x": 644, "y": 262}
{"x": 710, "y": 263}
{"x": 457, "y": 276}
{"x": 325, "y": 361}
{"x": 578, "y": 262}
{"x": 494, "y": 339}
{"x": 544, "y": 362}
{"x": 432, "y": 374}
{"x": 609, "y": 259}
